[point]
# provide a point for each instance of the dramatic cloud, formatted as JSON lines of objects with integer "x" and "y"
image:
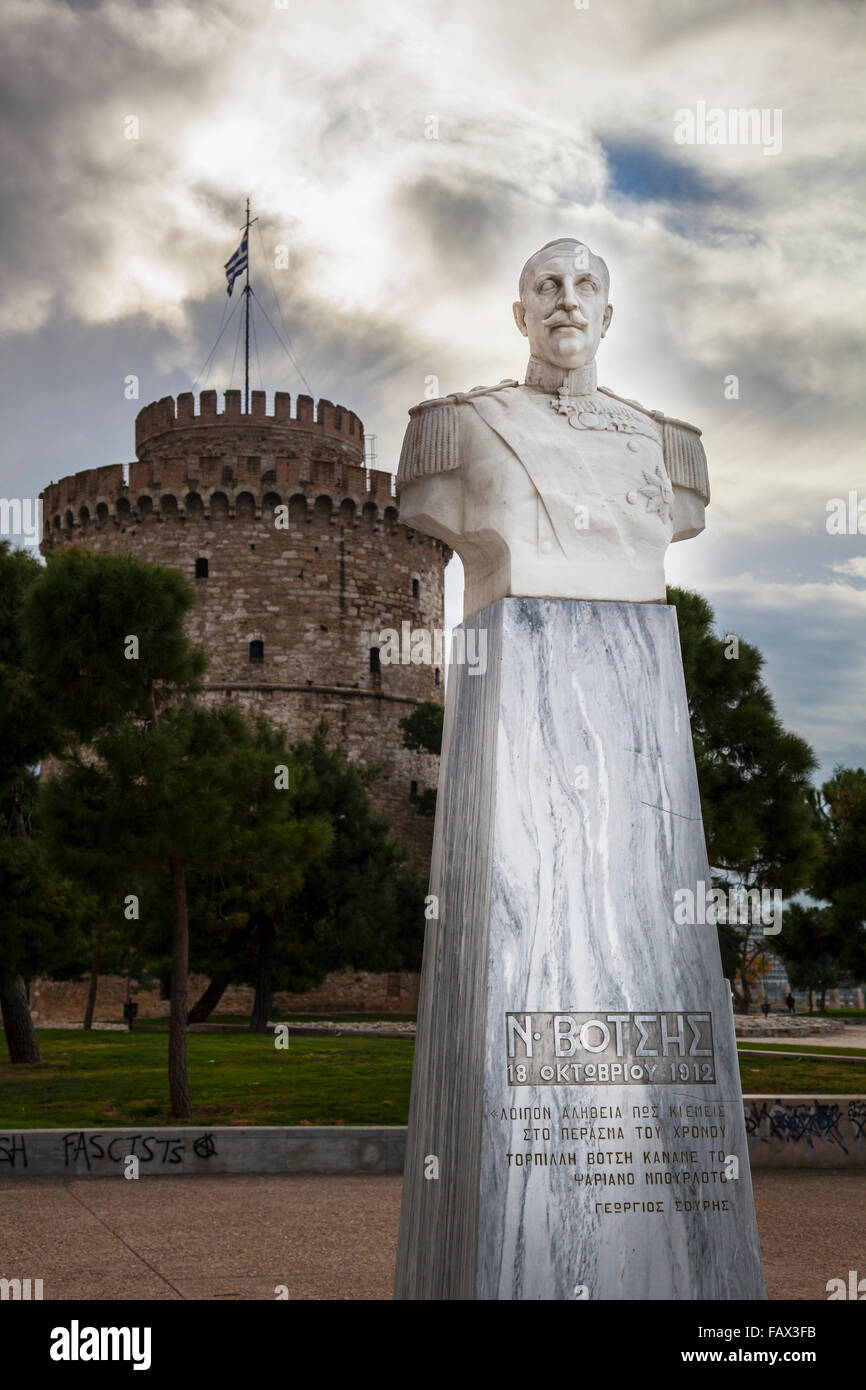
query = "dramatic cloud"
{"x": 410, "y": 156}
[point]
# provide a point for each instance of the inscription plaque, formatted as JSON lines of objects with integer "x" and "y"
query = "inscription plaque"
{"x": 609, "y": 1049}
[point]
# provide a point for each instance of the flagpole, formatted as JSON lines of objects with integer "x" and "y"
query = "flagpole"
{"x": 247, "y": 319}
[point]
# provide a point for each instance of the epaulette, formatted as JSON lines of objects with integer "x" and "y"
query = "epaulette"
{"x": 431, "y": 441}
{"x": 684, "y": 456}
{"x": 482, "y": 390}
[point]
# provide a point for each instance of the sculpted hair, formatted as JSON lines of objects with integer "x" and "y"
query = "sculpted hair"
{"x": 560, "y": 241}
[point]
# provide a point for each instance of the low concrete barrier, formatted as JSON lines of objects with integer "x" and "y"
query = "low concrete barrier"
{"x": 783, "y": 1132}
{"x": 223, "y": 1149}
{"x": 806, "y": 1131}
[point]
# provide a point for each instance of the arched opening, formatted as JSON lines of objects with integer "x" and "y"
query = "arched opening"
{"x": 219, "y": 506}
{"x": 83, "y": 516}
{"x": 245, "y": 505}
{"x": 144, "y": 507}
{"x": 257, "y": 651}
{"x": 201, "y": 567}
{"x": 270, "y": 502}
{"x": 102, "y": 514}
{"x": 347, "y": 511}
{"x": 193, "y": 506}
{"x": 391, "y": 518}
{"x": 370, "y": 514}
{"x": 416, "y": 588}
{"x": 322, "y": 510}
{"x": 168, "y": 505}
{"x": 375, "y": 661}
{"x": 297, "y": 509}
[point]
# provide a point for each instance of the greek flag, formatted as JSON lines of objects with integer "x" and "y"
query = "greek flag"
{"x": 237, "y": 265}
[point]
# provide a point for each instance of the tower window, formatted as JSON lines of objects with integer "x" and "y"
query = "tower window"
{"x": 437, "y": 675}
{"x": 375, "y": 661}
{"x": 201, "y": 567}
{"x": 413, "y": 791}
{"x": 257, "y": 651}
{"x": 416, "y": 588}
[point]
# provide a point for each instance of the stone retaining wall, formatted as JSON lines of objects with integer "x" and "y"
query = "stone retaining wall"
{"x": 78, "y": 1153}
{"x": 343, "y": 991}
{"x": 784, "y": 1026}
{"x": 783, "y": 1132}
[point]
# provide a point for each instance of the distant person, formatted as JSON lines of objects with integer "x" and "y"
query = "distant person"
{"x": 766, "y": 1007}
{"x": 789, "y": 1000}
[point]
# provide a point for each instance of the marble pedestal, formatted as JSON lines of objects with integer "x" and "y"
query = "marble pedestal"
{"x": 575, "y": 1084}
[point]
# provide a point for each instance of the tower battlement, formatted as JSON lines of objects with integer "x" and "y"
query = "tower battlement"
{"x": 234, "y": 461}
{"x": 180, "y": 487}
{"x": 162, "y": 425}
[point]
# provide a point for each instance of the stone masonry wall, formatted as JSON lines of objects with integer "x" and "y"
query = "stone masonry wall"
{"x": 344, "y": 991}
{"x": 310, "y": 582}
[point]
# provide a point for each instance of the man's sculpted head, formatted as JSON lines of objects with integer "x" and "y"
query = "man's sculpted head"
{"x": 563, "y": 307}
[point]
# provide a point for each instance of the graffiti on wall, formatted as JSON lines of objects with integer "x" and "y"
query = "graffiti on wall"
{"x": 13, "y": 1150}
{"x": 857, "y": 1117}
{"x": 795, "y": 1122}
{"x": 95, "y": 1151}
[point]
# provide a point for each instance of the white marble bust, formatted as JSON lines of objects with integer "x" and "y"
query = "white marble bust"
{"x": 555, "y": 488}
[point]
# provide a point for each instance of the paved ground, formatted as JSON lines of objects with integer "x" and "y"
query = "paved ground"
{"x": 239, "y": 1237}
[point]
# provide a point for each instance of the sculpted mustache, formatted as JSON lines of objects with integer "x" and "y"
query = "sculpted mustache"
{"x": 555, "y": 320}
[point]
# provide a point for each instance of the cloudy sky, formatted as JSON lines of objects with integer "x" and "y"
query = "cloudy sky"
{"x": 410, "y": 155}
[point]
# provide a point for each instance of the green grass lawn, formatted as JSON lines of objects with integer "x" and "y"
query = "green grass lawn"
{"x": 761, "y": 1075}
{"x": 103, "y": 1080}
{"x": 115, "y": 1079}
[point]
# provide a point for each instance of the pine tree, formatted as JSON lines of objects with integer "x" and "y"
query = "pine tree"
{"x": 840, "y": 876}
{"x": 753, "y": 776}
{"x": 358, "y": 904}
{"x": 109, "y": 655}
{"x": 28, "y": 919}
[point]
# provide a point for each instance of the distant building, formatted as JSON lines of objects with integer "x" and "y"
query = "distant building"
{"x": 297, "y": 555}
